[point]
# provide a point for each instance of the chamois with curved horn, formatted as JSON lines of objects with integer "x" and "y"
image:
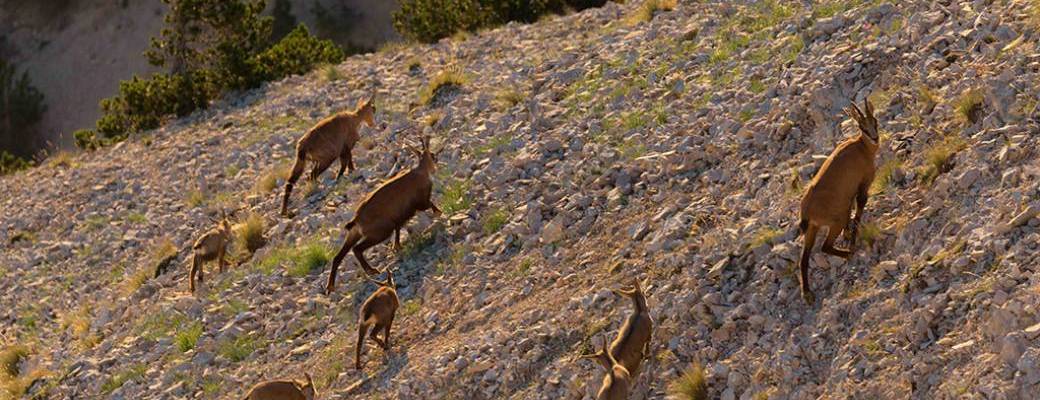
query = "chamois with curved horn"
{"x": 845, "y": 177}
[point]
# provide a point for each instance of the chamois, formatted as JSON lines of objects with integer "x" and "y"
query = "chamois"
{"x": 633, "y": 339}
{"x": 386, "y": 209}
{"x": 331, "y": 138}
{"x": 283, "y": 390}
{"x": 617, "y": 381}
{"x": 844, "y": 177}
{"x": 377, "y": 313}
{"x": 211, "y": 246}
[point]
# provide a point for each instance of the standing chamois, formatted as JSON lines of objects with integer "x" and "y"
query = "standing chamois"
{"x": 633, "y": 339}
{"x": 283, "y": 390}
{"x": 333, "y": 137}
{"x": 844, "y": 177}
{"x": 377, "y": 313}
{"x": 211, "y": 246}
{"x": 385, "y": 210}
{"x": 617, "y": 381}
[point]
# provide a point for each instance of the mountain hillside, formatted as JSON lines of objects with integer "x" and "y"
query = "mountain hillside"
{"x": 581, "y": 153}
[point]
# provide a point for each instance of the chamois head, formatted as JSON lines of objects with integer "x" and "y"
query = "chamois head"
{"x": 224, "y": 223}
{"x": 389, "y": 282}
{"x": 866, "y": 121}
{"x": 427, "y": 158}
{"x": 366, "y": 111}
{"x": 635, "y": 293}
{"x": 307, "y": 388}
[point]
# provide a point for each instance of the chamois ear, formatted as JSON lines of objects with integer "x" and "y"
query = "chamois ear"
{"x": 600, "y": 357}
{"x": 853, "y": 112}
{"x": 870, "y": 111}
{"x": 309, "y": 381}
{"x": 390, "y": 279}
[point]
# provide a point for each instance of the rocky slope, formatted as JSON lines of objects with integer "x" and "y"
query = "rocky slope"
{"x": 581, "y": 152}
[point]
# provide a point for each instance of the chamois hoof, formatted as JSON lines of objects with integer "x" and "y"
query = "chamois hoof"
{"x": 809, "y": 297}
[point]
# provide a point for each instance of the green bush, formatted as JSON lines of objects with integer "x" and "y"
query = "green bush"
{"x": 10, "y": 163}
{"x": 431, "y": 20}
{"x": 297, "y": 53}
{"x": 21, "y": 107}
{"x": 210, "y": 47}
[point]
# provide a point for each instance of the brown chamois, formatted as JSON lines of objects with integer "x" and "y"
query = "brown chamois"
{"x": 386, "y": 209}
{"x": 377, "y": 313}
{"x": 845, "y": 177}
{"x": 283, "y": 390}
{"x": 331, "y": 138}
{"x": 617, "y": 380}
{"x": 633, "y": 339}
{"x": 211, "y": 246}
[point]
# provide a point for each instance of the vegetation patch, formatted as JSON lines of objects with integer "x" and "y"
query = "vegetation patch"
{"x": 239, "y": 348}
{"x": 186, "y": 338}
{"x": 691, "y": 385}
{"x": 442, "y": 87}
{"x": 455, "y": 197}
{"x": 649, "y": 9}
{"x": 117, "y": 380}
{"x": 969, "y": 106}
{"x": 765, "y": 235}
{"x": 938, "y": 157}
{"x": 250, "y": 232}
{"x": 494, "y": 220}
{"x": 298, "y": 260}
{"x": 885, "y": 173}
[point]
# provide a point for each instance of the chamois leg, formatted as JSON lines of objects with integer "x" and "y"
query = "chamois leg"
{"x": 297, "y": 170}
{"x": 828, "y": 244}
{"x": 318, "y": 169}
{"x": 353, "y": 235}
{"x": 386, "y": 333}
{"x": 375, "y": 338}
{"x": 362, "y": 330}
{"x": 396, "y": 245}
{"x": 861, "y": 202}
{"x": 810, "y": 240}
{"x": 221, "y": 252}
{"x": 345, "y": 162}
{"x": 359, "y": 251}
{"x": 195, "y": 268}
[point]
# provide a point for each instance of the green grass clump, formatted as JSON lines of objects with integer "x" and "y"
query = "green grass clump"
{"x": 495, "y": 220}
{"x": 766, "y": 235}
{"x": 411, "y": 307}
{"x": 187, "y": 338}
{"x": 250, "y": 232}
{"x": 444, "y": 83}
{"x": 330, "y": 73}
{"x": 455, "y": 197}
{"x": 937, "y": 157}
{"x": 120, "y": 378}
{"x": 237, "y": 349}
{"x": 507, "y": 98}
{"x": 692, "y": 385}
{"x": 299, "y": 261}
{"x": 883, "y": 177}
{"x": 969, "y": 105}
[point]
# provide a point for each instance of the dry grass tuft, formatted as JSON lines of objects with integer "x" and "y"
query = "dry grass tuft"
{"x": 692, "y": 385}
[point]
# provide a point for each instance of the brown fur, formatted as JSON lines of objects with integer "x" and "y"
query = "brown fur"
{"x": 283, "y": 390}
{"x": 211, "y": 246}
{"x": 332, "y": 138}
{"x": 385, "y": 210}
{"x": 845, "y": 177}
{"x": 377, "y": 313}
{"x": 617, "y": 380}
{"x": 633, "y": 339}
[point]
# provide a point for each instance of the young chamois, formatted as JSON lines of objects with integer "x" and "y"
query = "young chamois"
{"x": 633, "y": 339}
{"x": 333, "y": 137}
{"x": 283, "y": 390}
{"x": 845, "y": 177}
{"x": 617, "y": 381}
{"x": 377, "y": 313}
{"x": 211, "y": 246}
{"x": 385, "y": 210}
